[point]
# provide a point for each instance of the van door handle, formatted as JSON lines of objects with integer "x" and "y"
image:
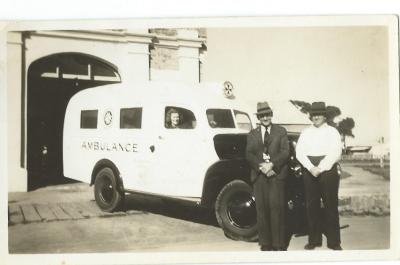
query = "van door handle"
{"x": 152, "y": 148}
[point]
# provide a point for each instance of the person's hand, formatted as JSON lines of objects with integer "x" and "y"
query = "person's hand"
{"x": 315, "y": 171}
{"x": 266, "y": 167}
{"x": 263, "y": 168}
{"x": 213, "y": 124}
{"x": 271, "y": 173}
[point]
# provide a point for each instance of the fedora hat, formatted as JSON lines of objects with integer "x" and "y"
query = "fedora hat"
{"x": 263, "y": 108}
{"x": 318, "y": 108}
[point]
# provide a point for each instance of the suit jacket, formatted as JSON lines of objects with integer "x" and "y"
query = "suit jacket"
{"x": 278, "y": 150}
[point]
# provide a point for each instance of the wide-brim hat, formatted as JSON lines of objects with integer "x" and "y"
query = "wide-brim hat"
{"x": 318, "y": 108}
{"x": 263, "y": 108}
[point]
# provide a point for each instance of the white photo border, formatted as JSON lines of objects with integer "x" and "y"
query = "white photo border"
{"x": 389, "y": 21}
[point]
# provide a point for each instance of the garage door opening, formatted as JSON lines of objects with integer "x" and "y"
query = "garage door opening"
{"x": 52, "y": 81}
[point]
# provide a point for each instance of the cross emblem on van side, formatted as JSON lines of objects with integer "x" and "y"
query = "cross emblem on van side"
{"x": 228, "y": 89}
{"x": 108, "y": 118}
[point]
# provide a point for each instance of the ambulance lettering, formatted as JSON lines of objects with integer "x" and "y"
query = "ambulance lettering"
{"x": 115, "y": 147}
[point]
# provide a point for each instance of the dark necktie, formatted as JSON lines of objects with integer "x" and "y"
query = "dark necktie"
{"x": 266, "y": 136}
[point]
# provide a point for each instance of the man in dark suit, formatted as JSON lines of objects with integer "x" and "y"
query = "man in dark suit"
{"x": 267, "y": 152}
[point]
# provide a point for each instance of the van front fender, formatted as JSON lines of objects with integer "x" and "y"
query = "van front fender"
{"x": 221, "y": 173}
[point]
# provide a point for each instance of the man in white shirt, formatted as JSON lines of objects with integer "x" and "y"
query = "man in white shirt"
{"x": 318, "y": 150}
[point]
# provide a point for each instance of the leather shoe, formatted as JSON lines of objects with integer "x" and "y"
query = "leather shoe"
{"x": 279, "y": 249}
{"x": 266, "y": 248}
{"x": 337, "y": 247}
{"x": 310, "y": 246}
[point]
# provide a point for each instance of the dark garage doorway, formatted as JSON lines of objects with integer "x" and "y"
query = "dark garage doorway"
{"x": 52, "y": 81}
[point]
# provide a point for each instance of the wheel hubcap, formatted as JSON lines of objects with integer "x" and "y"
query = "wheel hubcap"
{"x": 242, "y": 210}
{"x": 106, "y": 191}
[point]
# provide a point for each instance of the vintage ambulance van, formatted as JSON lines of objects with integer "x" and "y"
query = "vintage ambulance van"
{"x": 122, "y": 140}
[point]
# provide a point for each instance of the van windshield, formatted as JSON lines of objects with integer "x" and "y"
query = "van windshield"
{"x": 243, "y": 120}
{"x": 220, "y": 118}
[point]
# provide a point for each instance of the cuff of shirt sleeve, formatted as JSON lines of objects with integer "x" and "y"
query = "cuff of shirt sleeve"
{"x": 309, "y": 167}
{"x": 324, "y": 167}
{"x": 305, "y": 163}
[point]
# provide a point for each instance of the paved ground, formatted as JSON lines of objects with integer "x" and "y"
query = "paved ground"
{"x": 65, "y": 218}
{"x": 363, "y": 192}
{"x": 146, "y": 232}
{"x": 361, "y": 182}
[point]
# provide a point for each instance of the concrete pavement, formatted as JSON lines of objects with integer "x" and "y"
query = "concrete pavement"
{"x": 58, "y": 203}
{"x": 363, "y": 193}
{"x": 158, "y": 233}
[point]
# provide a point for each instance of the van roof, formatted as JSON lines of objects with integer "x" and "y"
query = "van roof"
{"x": 205, "y": 94}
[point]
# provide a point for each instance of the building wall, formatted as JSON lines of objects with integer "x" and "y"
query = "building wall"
{"x": 163, "y": 58}
{"x": 131, "y": 59}
{"x": 175, "y": 55}
{"x": 17, "y": 180}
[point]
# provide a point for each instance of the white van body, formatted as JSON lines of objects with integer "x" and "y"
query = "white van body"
{"x": 152, "y": 158}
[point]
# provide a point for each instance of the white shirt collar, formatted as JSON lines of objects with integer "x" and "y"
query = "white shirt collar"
{"x": 263, "y": 129}
{"x": 325, "y": 125}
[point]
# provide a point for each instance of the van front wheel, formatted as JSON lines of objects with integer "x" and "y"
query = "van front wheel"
{"x": 106, "y": 193}
{"x": 235, "y": 210}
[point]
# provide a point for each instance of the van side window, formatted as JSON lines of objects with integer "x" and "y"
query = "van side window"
{"x": 89, "y": 119}
{"x": 220, "y": 118}
{"x": 179, "y": 118}
{"x": 242, "y": 120}
{"x": 130, "y": 118}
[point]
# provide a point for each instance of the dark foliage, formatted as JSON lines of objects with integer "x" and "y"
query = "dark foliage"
{"x": 344, "y": 127}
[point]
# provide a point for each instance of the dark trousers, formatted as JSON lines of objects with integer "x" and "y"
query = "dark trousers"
{"x": 325, "y": 186}
{"x": 270, "y": 205}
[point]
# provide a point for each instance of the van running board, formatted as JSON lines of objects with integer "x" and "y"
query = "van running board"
{"x": 195, "y": 200}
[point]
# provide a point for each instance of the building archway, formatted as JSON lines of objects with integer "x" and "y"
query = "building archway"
{"x": 52, "y": 81}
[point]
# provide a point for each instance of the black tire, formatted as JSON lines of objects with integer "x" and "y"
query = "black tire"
{"x": 235, "y": 210}
{"x": 106, "y": 192}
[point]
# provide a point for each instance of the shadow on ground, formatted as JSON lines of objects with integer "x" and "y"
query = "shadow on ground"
{"x": 191, "y": 212}
{"x": 344, "y": 174}
{"x": 174, "y": 208}
{"x": 37, "y": 181}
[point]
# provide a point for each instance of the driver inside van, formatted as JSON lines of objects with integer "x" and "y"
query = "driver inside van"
{"x": 173, "y": 119}
{"x": 211, "y": 120}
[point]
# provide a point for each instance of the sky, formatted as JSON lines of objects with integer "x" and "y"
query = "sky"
{"x": 343, "y": 66}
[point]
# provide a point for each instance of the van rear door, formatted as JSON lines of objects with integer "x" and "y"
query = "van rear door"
{"x": 136, "y": 167}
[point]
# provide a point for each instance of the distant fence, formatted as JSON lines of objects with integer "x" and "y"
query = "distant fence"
{"x": 364, "y": 157}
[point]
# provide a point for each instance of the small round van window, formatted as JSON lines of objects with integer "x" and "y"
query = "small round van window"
{"x": 179, "y": 118}
{"x": 220, "y": 118}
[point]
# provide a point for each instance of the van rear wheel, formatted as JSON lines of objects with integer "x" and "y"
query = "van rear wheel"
{"x": 106, "y": 192}
{"x": 235, "y": 210}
